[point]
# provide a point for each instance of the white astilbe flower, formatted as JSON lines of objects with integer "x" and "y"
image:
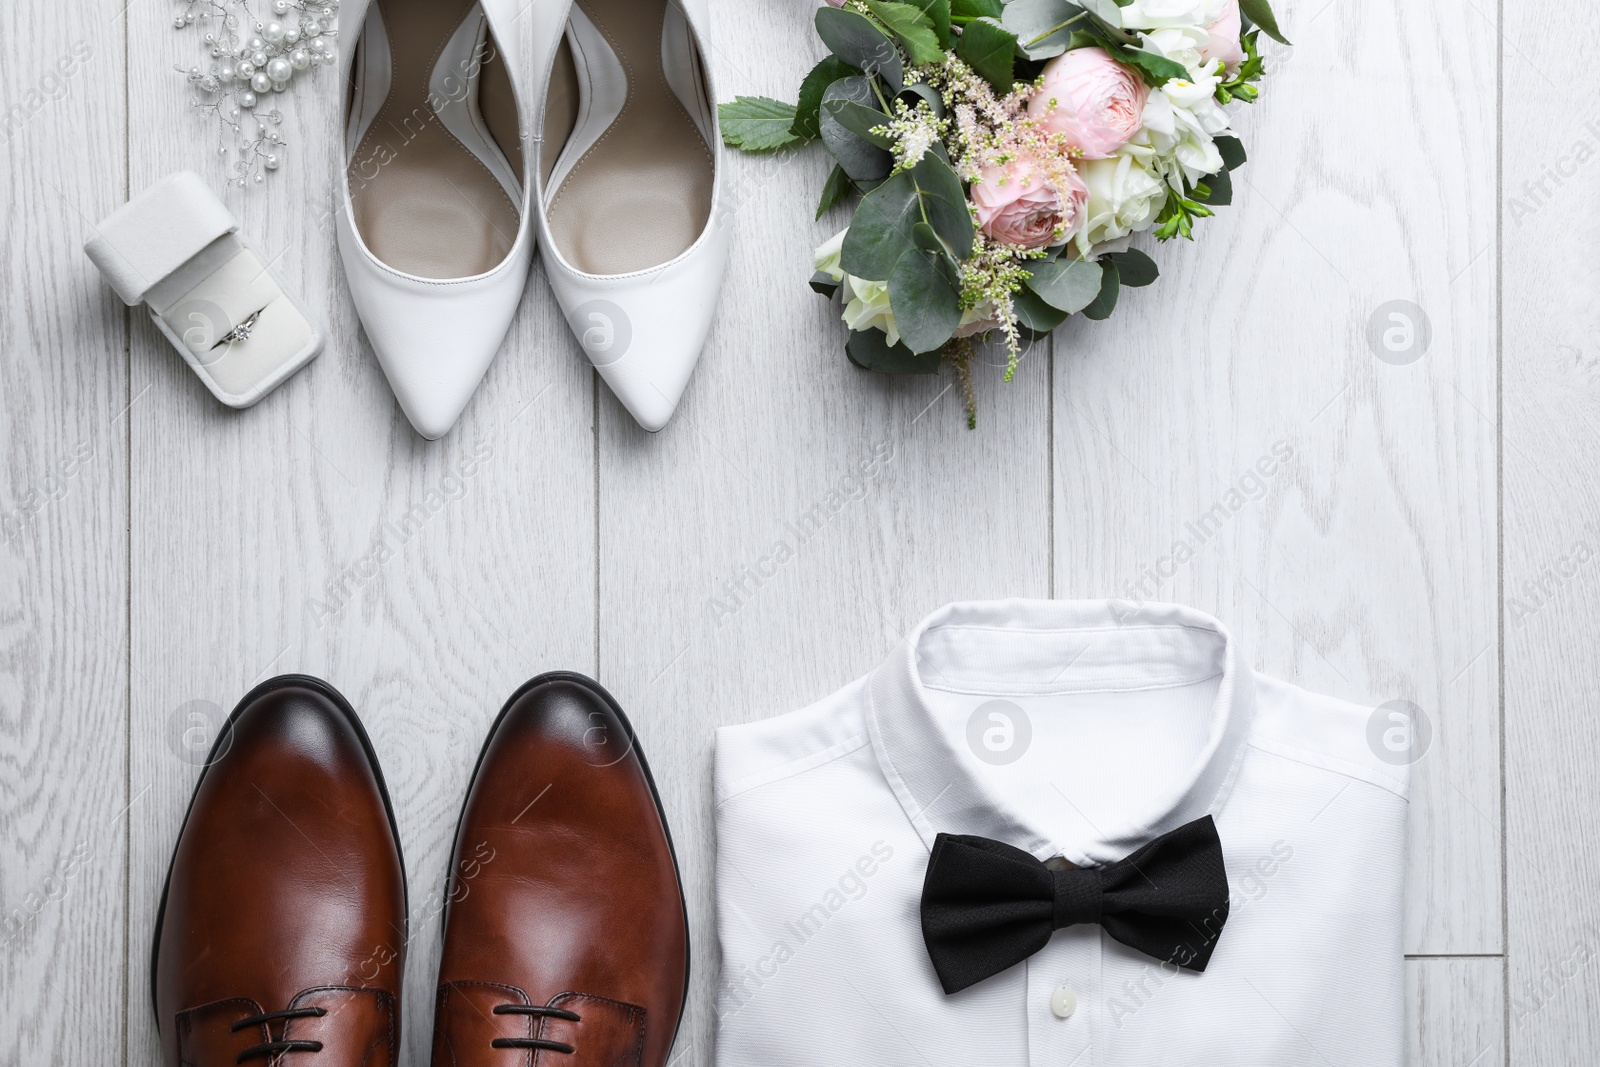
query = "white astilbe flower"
{"x": 914, "y": 131}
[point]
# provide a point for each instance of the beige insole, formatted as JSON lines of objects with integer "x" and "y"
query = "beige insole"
{"x": 640, "y": 195}
{"x": 424, "y": 204}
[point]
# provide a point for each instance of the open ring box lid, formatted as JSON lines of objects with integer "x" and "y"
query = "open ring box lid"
{"x": 175, "y": 248}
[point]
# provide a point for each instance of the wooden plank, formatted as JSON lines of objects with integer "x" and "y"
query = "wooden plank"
{"x": 316, "y": 532}
{"x": 748, "y": 564}
{"x": 63, "y": 542}
{"x": 1230, "y": 439}
{"x": 1454, "y": 1012}
{"x": 1551, "y": 448}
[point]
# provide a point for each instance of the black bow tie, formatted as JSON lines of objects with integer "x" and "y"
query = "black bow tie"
{"x": 987, "y": 906}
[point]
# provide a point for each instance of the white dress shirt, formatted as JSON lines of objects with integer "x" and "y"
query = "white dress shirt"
{"x": 1076, "y": 731}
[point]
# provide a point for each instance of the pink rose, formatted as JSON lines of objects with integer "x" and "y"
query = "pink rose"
{"x": 1017, "y": 206}
{"x": 1094, "y": 100}
{"x": 1224, "y": 37}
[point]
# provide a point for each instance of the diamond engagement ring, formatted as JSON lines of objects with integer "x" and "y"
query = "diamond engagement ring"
{"x": 240, "y": 332}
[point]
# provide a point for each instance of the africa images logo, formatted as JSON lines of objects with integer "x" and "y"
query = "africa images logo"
{"x": 999, "y": 732}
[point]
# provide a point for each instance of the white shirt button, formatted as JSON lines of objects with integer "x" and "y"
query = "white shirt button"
{"x": 1063, "y": 1002}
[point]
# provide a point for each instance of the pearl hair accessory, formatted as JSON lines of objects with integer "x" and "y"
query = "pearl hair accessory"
{"x": 253, "y": 58}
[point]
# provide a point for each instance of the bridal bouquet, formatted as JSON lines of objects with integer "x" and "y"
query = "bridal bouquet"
{"x": 1004, "y": 153}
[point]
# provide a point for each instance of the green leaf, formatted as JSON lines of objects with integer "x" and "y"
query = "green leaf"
{"x": 1260, "y": 13}
{"x": 925, "y": 296}
{"x": 1108, "y": 10}
{"x": 860, "y": 120}
{"x": 824, "y": 74}
{"x": 1215, "y": 189}
{"x": 883, "y": 229}
{"x": 1157, "y": 70}
{"x": 860, "y": 159}
{"x": 1043, "y": 27}
{"x": 991, "y": 52}
{"x": 1033, "y": 313}
{"x": 1134, "y": 268}
{"x": 1232, "y": 150}
{"x": 822, "y": 283}
{"x": 756, "y": 123}
{"x": 1106, "y": 302}
{"x": 924, "y": 237}
{"x": 944, "y": 202}
{"x": 976, "y": 9}
{"x": 922, "y": 91}
{"x": 912, "y": 26}
{"x": 870, "y": 350}
{"x": 835, "y": 189}
{"x": 1068, "y": 285}
{"x": 938, "y": 12}
{"x": 858, "y": 41}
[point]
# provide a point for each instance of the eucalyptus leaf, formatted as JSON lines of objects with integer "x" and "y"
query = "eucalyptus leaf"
{"x": 870, "y": 350}
{"x": 1068, "y": 285}
{"x": 1108, "y": 10}
{"x": 858, "y": 41}
{"x": 880, "y": 233}
{"x": 924, "y": 237}
{"x": 1034, "y": 313}
{"x": 860, "y": 159}
{"x": 1042, "y": 27}
{"x": 944, "y": 202}
{"x": 834, "y": 190}
{"x": 1110, "y": 287}
{"x": 991, "y": 51}
{"x": 925, "y": 296}
{"x": 912, "y": 26}
{"x": 1232, "y": 149}
{"x": 883, "y": 228}
{"x": 1260, "y": 13}
{"x": 859, "y": 120}
{"x": 925, "y": 92}
{"x": 1134, "y": 268}
{"x": 824, "y": 74}
{"x": 756, "y": 123}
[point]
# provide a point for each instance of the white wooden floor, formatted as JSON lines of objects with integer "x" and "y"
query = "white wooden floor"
{"x": 1430, "y": 540}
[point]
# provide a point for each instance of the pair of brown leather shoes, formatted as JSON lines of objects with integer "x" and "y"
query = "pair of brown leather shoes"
{"x": 283, "y": 926}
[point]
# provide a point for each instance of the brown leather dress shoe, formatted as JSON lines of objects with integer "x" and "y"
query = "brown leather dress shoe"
{"x": 282, "y": 931}
{"x": 566, "y": 940}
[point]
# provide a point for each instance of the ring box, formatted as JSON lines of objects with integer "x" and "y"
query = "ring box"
{"x": 176, "y": 249}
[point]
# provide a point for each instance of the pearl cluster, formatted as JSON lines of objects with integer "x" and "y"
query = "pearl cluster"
{"x": 297, "y": 36}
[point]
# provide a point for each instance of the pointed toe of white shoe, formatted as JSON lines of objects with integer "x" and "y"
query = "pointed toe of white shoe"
{"x": 435, "y": 227}
{"x": 435, "y": 348}
{"x": 632, "y": 231}
{"x": 434, "y": 341}
{"x": 644, "y": 332}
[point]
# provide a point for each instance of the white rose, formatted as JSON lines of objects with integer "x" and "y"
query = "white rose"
{"x": 868, "y": 308}
{"x": 1124, "y": 197}
{"x": 1159, "y": 14}
{"x": 1181, "y": 44}
{"x": 827, "y": 256}
{"x": 1181, "y": 121}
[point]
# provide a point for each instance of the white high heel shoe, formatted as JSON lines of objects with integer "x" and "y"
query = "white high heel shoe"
{"x": 435, "y": 226}
{"x": 628, "y": 189}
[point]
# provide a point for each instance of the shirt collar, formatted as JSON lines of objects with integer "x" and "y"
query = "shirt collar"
{"x": 1030, "y": 647}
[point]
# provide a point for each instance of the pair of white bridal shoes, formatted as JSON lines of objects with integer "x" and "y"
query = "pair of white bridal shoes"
{"x": 451, "y": 177}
